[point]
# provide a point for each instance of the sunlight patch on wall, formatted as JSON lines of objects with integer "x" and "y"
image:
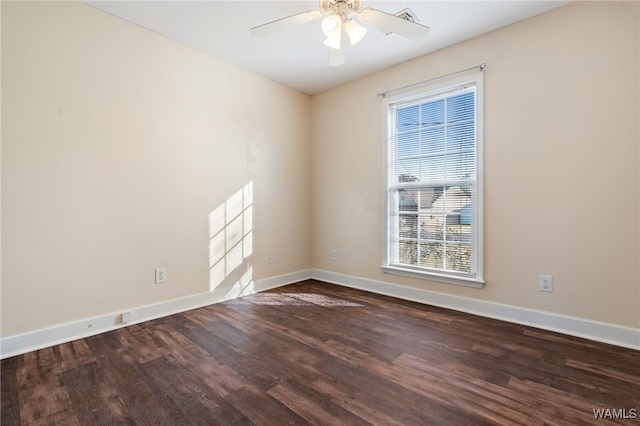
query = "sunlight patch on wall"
{"x": 242, "y": 287}
{"x": 231, "y": 240}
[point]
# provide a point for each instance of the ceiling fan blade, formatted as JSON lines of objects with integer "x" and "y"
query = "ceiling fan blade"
{"x": 284, "y": 23}
{"x": 336, "y": 57}
{"x": 388, "y": 23}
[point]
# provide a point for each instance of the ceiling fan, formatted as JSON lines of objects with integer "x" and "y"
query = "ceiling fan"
{"x": 339, "y": 21}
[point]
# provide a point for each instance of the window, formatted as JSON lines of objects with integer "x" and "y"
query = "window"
{"x": 434, "y": 182}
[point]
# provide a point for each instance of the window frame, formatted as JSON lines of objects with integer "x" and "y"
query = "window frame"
{"x": 429, "y": 90}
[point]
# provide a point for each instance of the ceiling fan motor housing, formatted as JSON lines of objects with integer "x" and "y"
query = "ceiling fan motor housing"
{"x": 340, "y": 6}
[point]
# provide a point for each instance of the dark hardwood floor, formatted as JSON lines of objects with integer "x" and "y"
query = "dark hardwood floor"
{"x": 315, "y": 353}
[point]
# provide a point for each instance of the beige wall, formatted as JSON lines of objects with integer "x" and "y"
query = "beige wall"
{"x": 561, "y": 163}
{"x": 116, "y": 146}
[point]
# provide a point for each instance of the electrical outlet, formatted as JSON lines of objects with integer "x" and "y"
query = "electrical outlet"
{"x": 161, "y": 275}
{"x": 333, "y": 255}
{"x": 272, "y": 259}
{"x": 545, "y": 283}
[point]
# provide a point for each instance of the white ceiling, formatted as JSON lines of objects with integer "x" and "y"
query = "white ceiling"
{"x": 296, "y": 57}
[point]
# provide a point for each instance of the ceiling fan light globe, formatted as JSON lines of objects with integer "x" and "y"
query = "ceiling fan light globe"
{"x": 332, "y": 26}
{"x": 333, "y": 42}
{"x": 354, "y": 31}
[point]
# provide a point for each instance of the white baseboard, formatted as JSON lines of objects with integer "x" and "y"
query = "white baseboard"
{"x": 61, "y": 333}
{"x": 66, "y": 332}
{"x": 580, "y": 327}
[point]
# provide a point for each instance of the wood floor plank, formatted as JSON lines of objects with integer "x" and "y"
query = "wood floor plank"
{"x": 496, "y": 404}
{"x": 139, "y": 343}
{"x": 604, "y": 371}
{"x": 151, "y": 406}
{"x": 312, "y": 405}
{"x": 572, "y": 407}
{"x": 380, "y": 386}
{"x": 262, "y": 409}
{"x": 93, "y": 400}
{"x": 375, "y": 407}
{"x": 191, "y": 394}
{"x": 219, "y": 377}
{"x": 72, "y": 355}
{"x": 40, "y": 391}
{"x": 117, "y": 367}
{"x": 317, "y": 353}
{"x": 10, "y": 404}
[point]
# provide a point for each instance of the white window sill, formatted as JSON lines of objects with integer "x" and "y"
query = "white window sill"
{"x": 431, "y": 276}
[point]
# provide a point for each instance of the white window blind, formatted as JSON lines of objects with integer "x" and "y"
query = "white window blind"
{"x": 434, "y": 188}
